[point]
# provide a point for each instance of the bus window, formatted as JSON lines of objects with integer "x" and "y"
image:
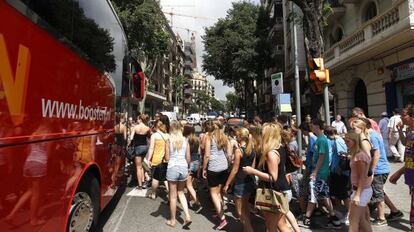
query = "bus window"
{"x": 67, "y": 21}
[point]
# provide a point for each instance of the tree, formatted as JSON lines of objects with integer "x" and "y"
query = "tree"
{"x": 230, "y": 49}
{"x": 315, "y": 13}
{"x": 179, "y": 83}
{"x": 232, "y": 102}
{"x": 216, "y": 105}
{"x": 202, "y": 100}
{"x": 144, "y": 25}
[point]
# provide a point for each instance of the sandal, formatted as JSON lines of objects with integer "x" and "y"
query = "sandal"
{"x": 170, "y": 224}
{"x": 186, "y": 224}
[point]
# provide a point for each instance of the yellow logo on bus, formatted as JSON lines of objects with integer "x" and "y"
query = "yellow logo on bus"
{"x": 15, "y": 87}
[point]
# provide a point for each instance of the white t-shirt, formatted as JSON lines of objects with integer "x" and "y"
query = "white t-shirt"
{"x": 340, "y": 127}
{"x": 394, "y": 121}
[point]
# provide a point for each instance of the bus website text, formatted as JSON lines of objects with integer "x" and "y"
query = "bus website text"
{"x": 57, "y": 109}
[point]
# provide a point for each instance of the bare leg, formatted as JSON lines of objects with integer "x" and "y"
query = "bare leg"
{"x": 173, "y": 203}
{"x": 34, "y": 203}
{"x": 216, "y": 198}
{"x": 272, "y": 221}
{"x": 389, "y": 203}
{"x": 247, "y": 225}
{"x": 190, "y": 188}
{"x": 292, "y": 220}
{"x": 140, "y": 170}
{"x": 154, "y": 186}
{"x": 183, "y": 200}
{"x": 381, "y": 210}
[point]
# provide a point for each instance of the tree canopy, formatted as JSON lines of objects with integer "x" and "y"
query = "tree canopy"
{"x": 143, "y": 23}
{"x": 230, "y": 45}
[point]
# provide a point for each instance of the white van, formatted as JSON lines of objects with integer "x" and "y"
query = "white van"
{"x": 171, "y": 115}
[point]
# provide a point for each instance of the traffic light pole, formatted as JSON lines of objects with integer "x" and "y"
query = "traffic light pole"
{"x": 326, "y": 104}
{"x": 297, "y": 87}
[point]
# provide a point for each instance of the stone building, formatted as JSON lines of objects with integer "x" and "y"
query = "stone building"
{"x": 265, "y": 100}
{"x": 370, "y": 53}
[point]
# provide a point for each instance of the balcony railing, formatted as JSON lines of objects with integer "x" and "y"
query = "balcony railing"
{"x": 380, "y": 28}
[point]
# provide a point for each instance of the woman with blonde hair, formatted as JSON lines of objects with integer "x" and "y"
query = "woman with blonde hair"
{"x": 156, "y": 153}
{"x": 244, "y": 184}
{"x": 215, "y": 165}
{"x": 178, "y": 157}
{"x": 271, "y": 172}
{"x": 361, "y": 185}
{"x": 360, "y": 127}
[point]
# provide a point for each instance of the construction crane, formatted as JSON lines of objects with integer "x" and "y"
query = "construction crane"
{"x": 188, "y": 31}
{"x": 190, "y": 16}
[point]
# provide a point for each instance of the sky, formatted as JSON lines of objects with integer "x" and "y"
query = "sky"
{"x": 208, "y": 11}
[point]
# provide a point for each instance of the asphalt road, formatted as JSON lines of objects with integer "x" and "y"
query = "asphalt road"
{"x": 134, "y": 213}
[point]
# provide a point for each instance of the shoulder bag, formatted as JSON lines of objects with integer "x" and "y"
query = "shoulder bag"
{"x": 270, "y": 200}
{"x": 293, "y": 161}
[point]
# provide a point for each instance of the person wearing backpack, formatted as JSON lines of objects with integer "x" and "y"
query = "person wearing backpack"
{"x": 339, "y": 185}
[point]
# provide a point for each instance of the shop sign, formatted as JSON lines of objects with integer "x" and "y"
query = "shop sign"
{"x": 404, "y": 71}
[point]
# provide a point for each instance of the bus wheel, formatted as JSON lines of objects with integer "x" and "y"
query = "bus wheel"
{"x": 84, "y": 211}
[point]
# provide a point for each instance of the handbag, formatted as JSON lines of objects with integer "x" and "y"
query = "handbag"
{"x": 270, "y": 200}
{"x": 293, "y": 161}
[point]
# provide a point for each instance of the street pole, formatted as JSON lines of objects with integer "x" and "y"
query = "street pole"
{"x": 326, "y": 104}
{"x": 297, "y": 87}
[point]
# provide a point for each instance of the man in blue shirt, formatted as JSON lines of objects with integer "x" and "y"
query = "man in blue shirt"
{"x": 304, "y": 182}
{"x": 380, "y": 167}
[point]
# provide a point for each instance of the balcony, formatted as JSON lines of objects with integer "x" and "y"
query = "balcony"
{"x": 188, "y": 91}
{"x": 338, "y": 11}
{"x": 382, "y": 33}
{"x": 188, "y": 72}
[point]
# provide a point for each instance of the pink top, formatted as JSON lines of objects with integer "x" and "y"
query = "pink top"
{"x": 355, "y": 175}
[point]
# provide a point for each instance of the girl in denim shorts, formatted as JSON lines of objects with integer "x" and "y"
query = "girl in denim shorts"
{"x": 244, "y": 184}
{"x": 194, "y": 142}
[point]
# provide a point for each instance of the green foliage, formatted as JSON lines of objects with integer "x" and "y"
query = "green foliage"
{"x": 179, "y": 83}
{"x": 230, "y": 45}
{"x": 233, "y": 101}
{"x": 216, "y": 105}
{"x": 202, "y": 100}
{"x": 193, "y": 108}
{"x": 143, "y": 23}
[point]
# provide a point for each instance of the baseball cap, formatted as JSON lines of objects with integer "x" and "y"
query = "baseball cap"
{"x": 384, "y": 114}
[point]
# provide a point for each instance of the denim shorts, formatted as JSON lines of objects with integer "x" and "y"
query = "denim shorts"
{"x": 365, "y": 197}
{"x": 141, "y": 150}
{"x": 244, "y": 189}
{"x": 194, "y": 167}
{"x": 177, "y": 173}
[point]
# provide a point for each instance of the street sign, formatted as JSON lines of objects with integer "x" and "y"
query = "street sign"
{"x": 284, "y": 103}
{"x": 277, "y": 83}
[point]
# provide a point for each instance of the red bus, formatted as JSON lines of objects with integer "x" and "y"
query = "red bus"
{"x": 64, "y": 75}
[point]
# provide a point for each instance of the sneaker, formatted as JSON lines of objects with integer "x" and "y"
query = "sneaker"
{"x": 301, "y": 217}
{"x": 198, "y": 208}
{"x": 222, "y": 224}
{"x": 334, "y": 220}
{"x": 333, "y": 225}
{"x": 345, "y": 219}
{"x": 378, "y": 222}
{"x": 393, "y": 216}
{"x": 306, "y": 223}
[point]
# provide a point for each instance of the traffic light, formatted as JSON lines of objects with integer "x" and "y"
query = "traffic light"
{"x": 318, "y": 74}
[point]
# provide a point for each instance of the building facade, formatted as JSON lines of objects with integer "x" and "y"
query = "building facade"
{"x": 160, "y": 94}
{"x": 265, "y": 99}
{"x": 370, "y": 53}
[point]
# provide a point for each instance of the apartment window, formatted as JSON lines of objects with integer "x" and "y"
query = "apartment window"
{"x": 370, "y": 11}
